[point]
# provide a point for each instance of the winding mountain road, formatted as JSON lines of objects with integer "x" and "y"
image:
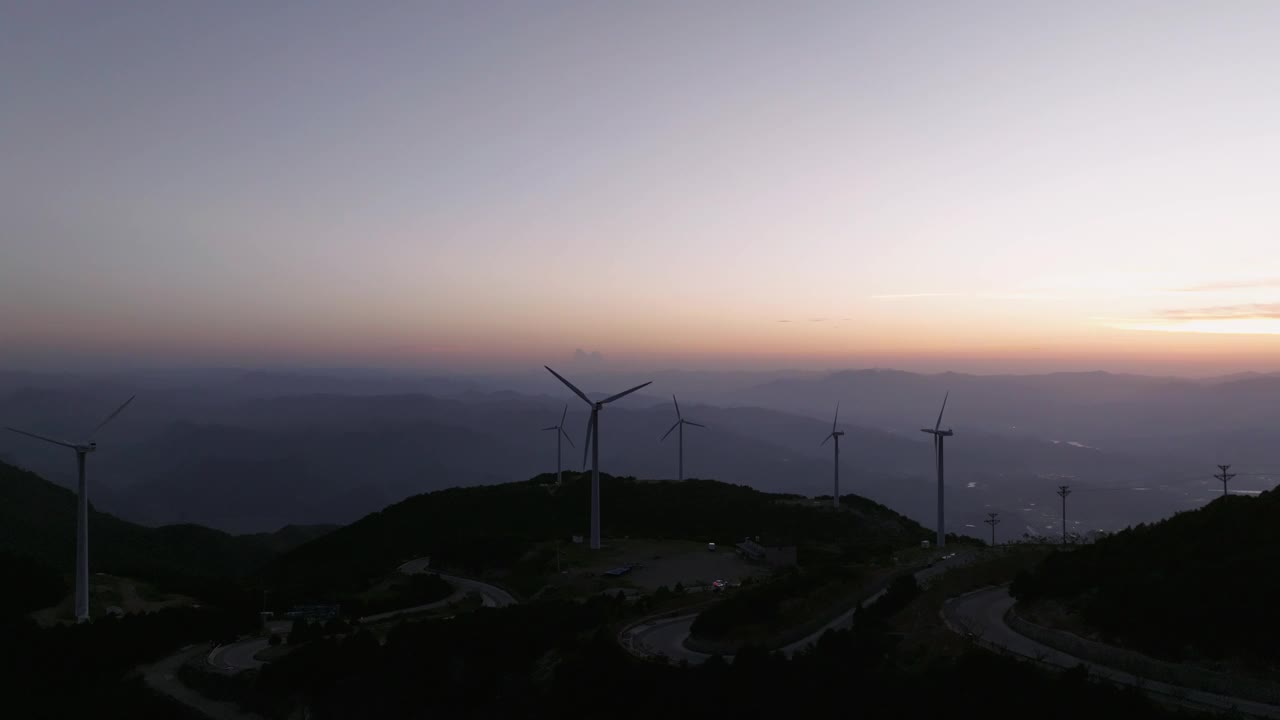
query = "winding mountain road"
{"x": 242, "y": 655}
{"x": 982, "y": 613}
{"x": 490, "y": 595}
{"x": 162, "y": 677}
{"x": 665, "y": 637}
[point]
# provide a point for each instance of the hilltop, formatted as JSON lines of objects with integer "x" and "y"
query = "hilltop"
{"x": 1197, "y": 586}
{"x": 481, "y": 529}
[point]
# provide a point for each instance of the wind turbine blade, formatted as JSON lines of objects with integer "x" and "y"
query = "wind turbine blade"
{"x": 677, "y": 402}
{"x": 566, "y": 436}
{"x": 40, "y": 437}
{"x": 624, "y": 393}
{"x": 944, "y": 409}
{"x": 668, "y": 432}
{"x": 571, "y": 386}
{"x": 113, "y": 415}
{"x": 586, "y": 445}
{"x": 836, "y": 418}
{"x": 564, "y": 414}
{"x": 690, "y": 422}
{"x": 824, "y": 440}
{"x": 553, "y": 427}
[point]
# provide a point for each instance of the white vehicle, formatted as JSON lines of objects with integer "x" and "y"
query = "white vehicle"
{"x": 711, "y": 547}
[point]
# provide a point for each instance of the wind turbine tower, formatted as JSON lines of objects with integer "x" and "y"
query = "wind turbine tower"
{"x": 593, "y": 441}
{"x": 560, "y": 433}
{"x": 836, "y": 434}
{"x": 82, "y": 451}
{"x": 680, "y": 423}
{"x": 939, "y": 435}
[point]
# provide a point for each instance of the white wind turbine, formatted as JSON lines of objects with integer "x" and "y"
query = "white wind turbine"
{"x": 680, "y": 423}
{"x": 593, "y": 440}
{"x": 939, "y": 436}
{"x": 82, "y": 512}
{"x": 835, "y": 434}
{"x": 560, "y": 433}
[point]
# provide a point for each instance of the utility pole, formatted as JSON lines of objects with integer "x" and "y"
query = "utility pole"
{"x": 993, "y": 519}
{"x": 1064, "y": 491}
{"x": 1224, "y": 476}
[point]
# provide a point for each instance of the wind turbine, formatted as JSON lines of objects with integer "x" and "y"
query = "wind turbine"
{"x": 593, "y": 440}
{"x": 82, "y": 512}
{"x": 680, "y": 423}
{"x": 835, "y": 434}
{"x": 939, "y": 436}
{"x": 560, "y": 432}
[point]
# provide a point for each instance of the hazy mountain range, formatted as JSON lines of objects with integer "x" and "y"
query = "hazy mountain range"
{"x": 253, "y": 451}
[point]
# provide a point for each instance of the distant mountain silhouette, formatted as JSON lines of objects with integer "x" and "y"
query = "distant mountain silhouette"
{"x": 247, "y": 451}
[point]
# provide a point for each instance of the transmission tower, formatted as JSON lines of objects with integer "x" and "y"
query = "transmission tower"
{"x": 993, "y": 519}
{"x": 1224, "y": 476}
{"x": 1064, "y": 491}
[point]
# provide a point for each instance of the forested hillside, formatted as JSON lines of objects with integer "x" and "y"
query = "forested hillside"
{"x": 1201, "y": 584}
{"x": 38, "y": 532}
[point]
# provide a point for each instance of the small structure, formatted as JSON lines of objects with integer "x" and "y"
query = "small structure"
{"x": 618, "y": 571}
{"x": 771, "y": 554}
{"x": 313, "y": 612}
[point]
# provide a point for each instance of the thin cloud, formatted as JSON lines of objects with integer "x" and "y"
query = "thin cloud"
{"x": 1023, "y": 296}
{"x": 1012, "y": 295}
{"x": 1230, "y": 285}
{"x": 1226, "y": 312}
{"x": 912, "y": 296}
{"x": 1250, "y": 319}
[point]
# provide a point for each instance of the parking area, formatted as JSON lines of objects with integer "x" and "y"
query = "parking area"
{"x": 666, "y": 562}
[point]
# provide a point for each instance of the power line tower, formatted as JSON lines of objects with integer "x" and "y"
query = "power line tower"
{"x": 1063, "y": 492}
{"x": 1224, "y": 476}
{"x": 993, "y": 519}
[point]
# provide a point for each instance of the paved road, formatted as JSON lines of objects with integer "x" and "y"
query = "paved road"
{"x": 239, "y": 656}
{"x": 982, "y": 613}
{"x": 490, "y": 595}
{"x": 163, "y": 678}
{"x": 666, "y": 637}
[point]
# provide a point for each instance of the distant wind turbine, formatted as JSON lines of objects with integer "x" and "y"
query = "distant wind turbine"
{"x": 560, "y": 433}
{"x": 939, "y": 436}
{"x": 680, "y": 423}
{"x": 82, "y": 512}
{"x": 593, "y": 441}
{"x": 836, "y": 434}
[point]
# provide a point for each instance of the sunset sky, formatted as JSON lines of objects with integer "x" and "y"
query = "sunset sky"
{"x": 1010, "y": 186}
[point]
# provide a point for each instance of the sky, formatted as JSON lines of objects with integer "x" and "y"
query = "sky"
{"x": 1012, "y": 186}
